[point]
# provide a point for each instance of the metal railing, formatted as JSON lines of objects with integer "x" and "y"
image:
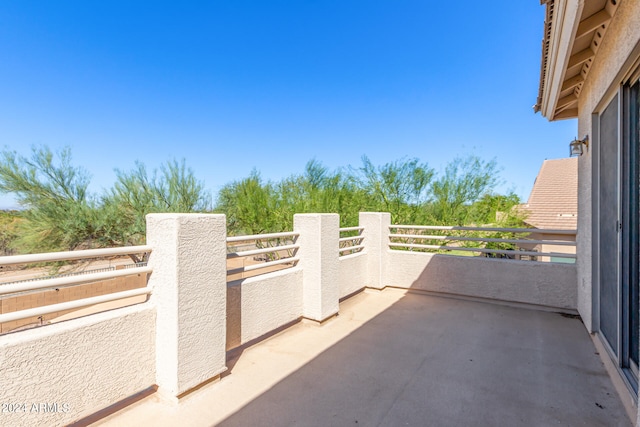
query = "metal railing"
{"x": 351, "y": 240}
{"x": 72, "y": 255}
{"x": 262, "y": 254}
{"x": 512, "y": 243}
{"x": 78, "y": 273}
{"x": 67, "y": 280}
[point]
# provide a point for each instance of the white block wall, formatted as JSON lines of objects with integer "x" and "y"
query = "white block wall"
{"x": 260, "y": 304}
{"x": 76, "y": 367}
{"x": 352, "y": 273}
{"x": 189, "y": 283}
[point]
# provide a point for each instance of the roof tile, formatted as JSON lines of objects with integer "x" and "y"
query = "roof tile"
{"x": 553, "y": 202}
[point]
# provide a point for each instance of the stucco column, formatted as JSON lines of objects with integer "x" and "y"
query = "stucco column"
{"x": 376, "y": 242}
{"x": 189, "y": 291}
{"x": 318, "y": 240}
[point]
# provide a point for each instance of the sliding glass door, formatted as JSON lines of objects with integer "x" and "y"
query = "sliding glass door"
{"x": 608, "y": 223}
{"x": 618, "y": 224}
{"x": 630, "y": 226}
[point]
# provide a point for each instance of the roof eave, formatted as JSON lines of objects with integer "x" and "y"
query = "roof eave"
{"x": 560, "y": 36}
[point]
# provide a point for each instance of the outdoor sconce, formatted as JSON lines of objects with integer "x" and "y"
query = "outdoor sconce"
{"x": 575, "y": 147}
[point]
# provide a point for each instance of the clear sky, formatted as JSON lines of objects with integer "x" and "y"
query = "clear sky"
{"x": 233, "y": 85}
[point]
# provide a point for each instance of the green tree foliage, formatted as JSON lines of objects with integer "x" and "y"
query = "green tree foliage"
{"x": 253, "y": 206}
{"x": 399, "y": 187}
{"x": 321, "y": 191}
{"x": 172, "y": 188}
{"x": 500, "y": 211}
{"x": 464, "y": 182}
{"x": 9, "y": 221}
{"x": 250, "y": 206}
{"x": 408, "y": 189}
{"x": 497, "y": 209}
{"x": 60, "y": 215}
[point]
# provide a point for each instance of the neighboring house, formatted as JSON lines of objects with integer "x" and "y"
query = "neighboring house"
{"x": 553, "y": 205}
{"x": 591, "y": 71}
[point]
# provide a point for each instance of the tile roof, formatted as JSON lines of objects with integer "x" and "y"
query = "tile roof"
{"x": 553, "y": 202}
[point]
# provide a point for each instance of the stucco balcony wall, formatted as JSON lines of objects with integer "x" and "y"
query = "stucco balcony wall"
{"x": 178, "y": 340}
{"x": 261, "y": 304}
{"x": 60, "y": 373}
{"x": 543, "y": 284}
{"x": 352, "y": 274}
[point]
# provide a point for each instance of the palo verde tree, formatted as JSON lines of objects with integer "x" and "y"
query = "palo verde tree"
{"x": 171, "y": 189}
{"x": 399, "y": 187}
{"x": 59, "y": 214}
{"x": 249, "y": 205}
{"x": 408, "y": 189}
{"x": 321, "y": 191}
{"x": 253, "y": 206}
{"x": 9, "y": 221}
{"x": 464, "y": 182}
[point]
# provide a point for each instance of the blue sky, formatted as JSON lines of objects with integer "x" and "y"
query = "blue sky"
{"x": 233, "y": 85}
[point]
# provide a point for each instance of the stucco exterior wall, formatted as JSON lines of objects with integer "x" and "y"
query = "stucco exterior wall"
{"x": 615, "y": 56}
{"x": 318, "y": 253}
{"x": 78, "y": 367}
{"x": 258, "y": 305}
{"x": 376, "y": 239}
{"x": 351, "y": 273}
{"x": 545, "y": 284}
{"x": 584, "y": 242}
{"x": 189, "y": 291}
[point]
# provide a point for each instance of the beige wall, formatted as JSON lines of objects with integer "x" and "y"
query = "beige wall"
{"x": 544, "y": 284}
{"x": 258, "y": 305}
{"x": 619, "y": 48}
{"x": 352, "y": 274}
{"x": 77, "y": 367}
{"x": 189, "y": 284}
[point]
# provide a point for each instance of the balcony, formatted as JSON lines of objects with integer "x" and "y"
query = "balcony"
{"x": 404, "y": 358}
{"x": 339, "y": 331}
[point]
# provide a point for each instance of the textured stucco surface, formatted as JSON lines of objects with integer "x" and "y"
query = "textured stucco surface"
{"x": 376, "y": 240}
{"x": 258, "y": 305}
{"x": 546, "y": 284}
{"x": 190, "y": 290}
{"x": 319, "y": 244}
{"x": 352, "y": 273}
{"x": 87, "y": 363}
{"x": 615, "y": 55}
{"x": 584, "y": 242}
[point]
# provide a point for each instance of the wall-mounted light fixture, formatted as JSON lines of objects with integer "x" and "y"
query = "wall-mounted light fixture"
{"x": 576, "y": 146}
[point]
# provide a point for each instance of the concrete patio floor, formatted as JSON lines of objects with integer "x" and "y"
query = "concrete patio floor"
{"x": 394, "y": 358}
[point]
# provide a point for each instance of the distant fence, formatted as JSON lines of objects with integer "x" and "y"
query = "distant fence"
{"x": 256, "y": 254}
{"x": 78, "y": 273}
{"x": 41, "y": 300}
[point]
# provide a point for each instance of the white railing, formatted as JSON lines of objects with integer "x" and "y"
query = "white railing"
{"x": 41, "y": 284}
{"x": 72, "y": 255}
{"x": 267, "y": 252}
{"x": 475, "y": 239}
{"x": 78, "y": 273}
{"x": 351, "y": 240}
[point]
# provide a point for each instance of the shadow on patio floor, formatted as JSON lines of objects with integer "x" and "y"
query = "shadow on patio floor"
{"x": 446, "y": 362}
